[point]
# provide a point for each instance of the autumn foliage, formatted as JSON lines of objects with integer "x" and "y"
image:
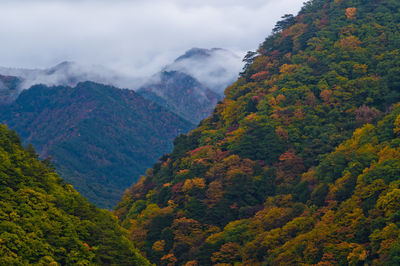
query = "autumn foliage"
{"x": 351, "y": 13}
{"x": 297, "y": 166}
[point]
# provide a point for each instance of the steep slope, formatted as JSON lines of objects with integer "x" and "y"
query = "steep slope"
{"x": 182, "y": 94}
{"x": 100, "y": 138}
{"x": 257, "y": 181}
{"x": 46, "y": 222}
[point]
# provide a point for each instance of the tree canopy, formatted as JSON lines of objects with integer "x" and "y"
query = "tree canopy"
{"x": 299, "y": 164}
{"x": 44, "y": 221}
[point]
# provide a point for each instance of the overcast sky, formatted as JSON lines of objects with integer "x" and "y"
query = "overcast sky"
{"x": 136, "y": 37}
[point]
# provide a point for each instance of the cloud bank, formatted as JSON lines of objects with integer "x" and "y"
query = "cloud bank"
{"x": 135, "y": 38}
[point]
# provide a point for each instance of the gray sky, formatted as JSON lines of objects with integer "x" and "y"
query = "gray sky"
{"x": 136, "y": 37}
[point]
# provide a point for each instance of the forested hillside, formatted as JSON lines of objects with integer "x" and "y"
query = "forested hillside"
{"x": 100, "y": 138}
{"x": 299, "y": 164}
{"x": 44, "y": 221}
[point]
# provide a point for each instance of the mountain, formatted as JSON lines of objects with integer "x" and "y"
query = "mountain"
{"x": 100, "y": 138}
{"x": 99, "y": 152}
{"x": 300, "y": 162}
{"x": 182, "y": 94}
{"x": 44, "y": 221}
{"x": 193, "y": 84}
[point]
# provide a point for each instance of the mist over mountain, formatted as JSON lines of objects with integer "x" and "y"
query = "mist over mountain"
{"x": 138, "y": 37}
{"x": 214, "y": 68}
{"x": 69, "y": 74}
{"x": 190, "y": 86}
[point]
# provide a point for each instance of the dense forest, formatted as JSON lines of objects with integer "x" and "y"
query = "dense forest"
{"x": 100, "y": 137}
{"x": 44, "y": 221}
{"x": 299, "y": 164}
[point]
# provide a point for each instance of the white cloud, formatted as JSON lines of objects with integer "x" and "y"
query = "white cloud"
{"x": 136, "y": 37}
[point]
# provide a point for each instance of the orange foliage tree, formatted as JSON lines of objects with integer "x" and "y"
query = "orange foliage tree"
{"x": 351, "y": 13}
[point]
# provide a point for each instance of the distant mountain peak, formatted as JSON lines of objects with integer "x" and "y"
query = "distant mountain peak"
{"x": 200, "y": 52}
{"x": 65, "y": 65}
